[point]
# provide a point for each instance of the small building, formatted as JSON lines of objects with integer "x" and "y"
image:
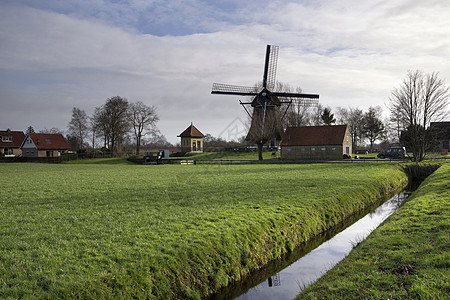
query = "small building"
{"x": 441, "y": 132}
{"x": 316, "y": 142}
{"x": 44, "y": 145}
{"x": 191, "y": 140}
{"x": 10, "y": 142}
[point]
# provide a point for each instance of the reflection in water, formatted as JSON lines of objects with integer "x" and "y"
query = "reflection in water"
{"x": 274, "y": 280}
{"x": 301, "y": 273}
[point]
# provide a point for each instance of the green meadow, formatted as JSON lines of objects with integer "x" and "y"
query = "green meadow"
{"x": 407, "y": 257}
{"x": 250, "y": 155}
{"x": 117, "y": 230}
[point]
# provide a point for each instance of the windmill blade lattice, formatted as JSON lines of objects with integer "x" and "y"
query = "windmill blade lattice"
{"x": 296, "y": 95}
{"x": 270, "y": 68}
{"x": 227, "y": 89}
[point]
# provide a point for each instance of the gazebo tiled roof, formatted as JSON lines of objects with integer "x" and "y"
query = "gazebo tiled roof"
{"x": 191, "y": 131}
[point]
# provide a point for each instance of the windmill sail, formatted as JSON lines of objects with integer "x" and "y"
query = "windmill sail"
{"x": 270, "y": 67}
{"x": 227, "y": 89}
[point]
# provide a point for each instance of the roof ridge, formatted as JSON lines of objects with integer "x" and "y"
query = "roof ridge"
{"x": 191, "y": 131}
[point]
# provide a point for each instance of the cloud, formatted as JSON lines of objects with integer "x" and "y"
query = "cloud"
{"x": 60, "y": 54}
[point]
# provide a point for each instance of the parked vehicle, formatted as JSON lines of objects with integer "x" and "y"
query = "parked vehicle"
{"x": 394, "y": 152}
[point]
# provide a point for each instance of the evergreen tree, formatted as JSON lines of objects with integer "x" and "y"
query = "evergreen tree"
{"x": 327, "y": 117}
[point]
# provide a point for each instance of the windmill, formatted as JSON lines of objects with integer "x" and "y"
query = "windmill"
{"x": 266, "y": 117}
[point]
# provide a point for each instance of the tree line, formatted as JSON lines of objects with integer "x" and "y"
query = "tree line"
{"x": 115, "y": 123}
{"x": 419, "y": 100}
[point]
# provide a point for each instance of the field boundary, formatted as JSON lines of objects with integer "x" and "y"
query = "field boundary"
{"x": 30, "y": 159}
{"x": 268, "y": 161}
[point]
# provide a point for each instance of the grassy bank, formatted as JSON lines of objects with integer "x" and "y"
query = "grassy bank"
{"x": 170, "y": 231}
{"x": 407, "y": 257}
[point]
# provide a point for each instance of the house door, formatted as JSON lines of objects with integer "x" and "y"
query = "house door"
{"x": 347, "y": 150}
{"x": 199, "y": 146}
{"x": 194, "y": 146}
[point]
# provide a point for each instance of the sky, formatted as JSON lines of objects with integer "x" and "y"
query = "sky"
{"x": 56, "y": 55}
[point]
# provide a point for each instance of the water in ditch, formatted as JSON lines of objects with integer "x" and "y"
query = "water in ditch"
{"x": 287, "y": 277}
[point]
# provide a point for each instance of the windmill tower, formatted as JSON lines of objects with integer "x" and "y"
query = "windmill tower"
{"x": 266, "y": 117}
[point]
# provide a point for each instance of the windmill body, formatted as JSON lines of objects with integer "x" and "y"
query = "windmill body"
{"x": 266, "y": 116}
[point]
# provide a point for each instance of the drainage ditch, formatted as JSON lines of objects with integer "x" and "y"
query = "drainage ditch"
{"x": 287, "y": 277}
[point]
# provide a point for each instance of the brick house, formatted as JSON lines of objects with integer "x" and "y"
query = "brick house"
{"x": 10, "y": 142}
{"x": 44, "y": 145}
{"x": 316, "y": 142}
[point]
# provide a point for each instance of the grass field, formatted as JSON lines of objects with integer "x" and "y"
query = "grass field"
{"x": 408, "y": 257}
{"x": 114, "y": 230}
{"x": 228, "y": 155}
{"x": 100, "y": 161}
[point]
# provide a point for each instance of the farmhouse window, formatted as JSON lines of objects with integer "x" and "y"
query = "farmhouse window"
{"x": 323, "y": 149}
{"x": 6, "y": 138}
{"x": 313, "y": 149}
{"x": 334, "y": 149}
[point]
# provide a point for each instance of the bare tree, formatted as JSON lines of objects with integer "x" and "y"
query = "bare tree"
{"x": 373, "y": 127}
{"x": 420, "y": 99}
{"x": 143, "y": 118}
{"x": 296, "y": 114}
{"x": 353, "y": 117}
{"x": 52, "y": 130}
{"x": 396, "y": 124}
{"x": 156, "y": 139}
{"x": 116, "y": 111}
{"x": 94, "y": 128}
{"x": 112, "y": 120}
{"x": 78, "y": 126}
{"x": 316, "y": 116}
{"x": 100, "y": 123}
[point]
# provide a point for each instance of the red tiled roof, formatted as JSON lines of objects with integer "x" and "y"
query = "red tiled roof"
{"x": 47, "y": 141}
{"x": 191, "y": 131}
{"x": 17, "y": 138}
{"x": 314, "y": 135}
